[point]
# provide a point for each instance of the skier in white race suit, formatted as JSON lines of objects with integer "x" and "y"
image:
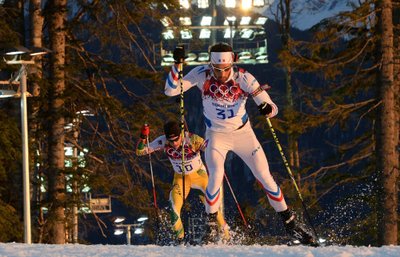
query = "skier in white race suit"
{"x": 224, "y": 91}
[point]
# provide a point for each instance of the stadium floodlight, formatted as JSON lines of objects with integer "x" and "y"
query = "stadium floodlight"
{"x": 16, "y": 54}
{"x": 259, "y": 33}
{"x": 203, "y": 57}
{"x": 229, "y": 19}
{"x": 36, "y": 51}
{"x": 169, "y": 34}
{"x": 6, "y": 93}
{"x": 118, "y": 232}
{"x": 186, "y": 34}
{"x": 185, "y": 21}
{"x": 168, "y": 59}
{"x": 119, "y": 219}
{"x": 143, "y": 218}
{"x": 246, "y": 4}
{"x": 17, "y": 50}
{"x": 261, "y": 20}
{"x": 245, "y": 55}
{"x": 258, "y": 3}
{"x": 261, "y": 56}
{"x": 230, "y": 3}
{"x": 206, "y": 21}
{"x": 184, "y": 4}
{"x": 247, "y": 33}
{"x": 202, "y": 4}
{"x": 227, "y": 33}
{"x": 121, "y": 228}
{"x": 205, "y": 34}
{"x": 166, "y": 21}
{"x": 245, "y": 20}
{"x": 138, "y": 231}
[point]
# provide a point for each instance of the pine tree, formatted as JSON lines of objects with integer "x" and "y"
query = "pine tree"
{"x": 108, "y": 72}
{"x": 387, "y": 129}
{"x": 56, "y": 13}
{"x": 354, "y": 52}
{"x": 82, "y": 75}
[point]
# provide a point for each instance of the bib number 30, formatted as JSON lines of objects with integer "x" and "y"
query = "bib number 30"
{"x": 188, "y": 167}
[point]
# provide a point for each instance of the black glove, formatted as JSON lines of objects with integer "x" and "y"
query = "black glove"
{"x": 265, "y": 108}
{"x": 179, "y": 54}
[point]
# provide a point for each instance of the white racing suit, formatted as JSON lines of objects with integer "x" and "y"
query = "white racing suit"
{"x": 228, "y": 128}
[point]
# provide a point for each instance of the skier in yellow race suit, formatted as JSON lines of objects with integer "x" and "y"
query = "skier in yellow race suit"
{"x": 196, "y": 176}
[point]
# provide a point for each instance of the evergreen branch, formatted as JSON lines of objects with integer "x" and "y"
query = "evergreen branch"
{"x": 141, "y": 49}
{"x": 80, "y": 88}
{"x": 337, "y": 61}
{"x": 82, "y": 11}
{"x": 334, "y": 186}
{"x": 338, "y": 165}
{"x": 366, "y": 70}
{"x": 97, "y": 159}
{"x": 99, "y": 224}
{"x": 129, "y": 34}
{"x": 368, "y": 111}
{"x": 146, "y": 41}
{"x": 351, "y": 144}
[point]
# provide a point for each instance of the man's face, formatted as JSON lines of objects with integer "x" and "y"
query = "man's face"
{"x": 176, "y": 142}
{"x": 222, "y": 71}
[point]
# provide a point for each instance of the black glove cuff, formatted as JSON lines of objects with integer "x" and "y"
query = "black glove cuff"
{"x": 265, "y": 108}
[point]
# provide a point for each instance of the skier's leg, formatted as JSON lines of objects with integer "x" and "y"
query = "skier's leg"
{"x": 218, "y": 144}
{"x": 215, "y": 154}
{"x": 199, "y": 181}
{"x": 253, "y": 155}
{"x": 248, "y": 148}
{"x": 176, "y": 203}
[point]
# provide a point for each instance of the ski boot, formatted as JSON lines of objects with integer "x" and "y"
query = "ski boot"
{"x": 297, "y": 231}
{"x": 211, "y": 235}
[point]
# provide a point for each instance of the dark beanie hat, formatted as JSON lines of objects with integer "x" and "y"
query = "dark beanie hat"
{"x": 172, "y": 129}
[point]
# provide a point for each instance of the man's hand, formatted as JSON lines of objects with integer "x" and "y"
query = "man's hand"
{"x": 265, "y": 109}
{"x": 145, "y": 132}
{"x": 179, "y": 54}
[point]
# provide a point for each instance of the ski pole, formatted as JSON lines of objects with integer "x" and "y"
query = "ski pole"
{"x": 182, "y": 114}
{"x": 152, "y": 176}
{"x": 291, "y": 175}
{"x": 236, "y": 201}
{"x": 157, "y": 211}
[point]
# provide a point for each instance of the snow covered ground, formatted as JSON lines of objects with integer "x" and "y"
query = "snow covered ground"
{"x": 23, "y": 250}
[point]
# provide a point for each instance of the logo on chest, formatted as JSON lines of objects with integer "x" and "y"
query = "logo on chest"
{"x": 229, "y": 91}
{"x": 176, "y": 154}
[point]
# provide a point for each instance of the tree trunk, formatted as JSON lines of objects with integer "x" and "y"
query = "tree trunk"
{"x": 285, "y": 11}
{"x": 36, "y": 22}
{"x": 396, "y": 23}
{"x": 56, "y": 176}
{"x": 388, "y": 131}
{"x": 36, "y": 35}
